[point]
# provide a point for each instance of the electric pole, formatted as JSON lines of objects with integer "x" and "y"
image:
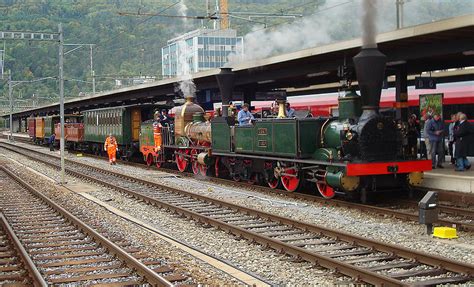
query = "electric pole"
{"x": 61, "y": 99}
{"x": 10, "y": 95}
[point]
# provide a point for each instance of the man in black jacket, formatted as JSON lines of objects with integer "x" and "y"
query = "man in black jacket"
{"x": 464, "y": 137}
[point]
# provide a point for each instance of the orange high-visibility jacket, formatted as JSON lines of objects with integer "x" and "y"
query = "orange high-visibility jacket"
{"x": 110, "y": 144}
{"x": 157, "y": 136}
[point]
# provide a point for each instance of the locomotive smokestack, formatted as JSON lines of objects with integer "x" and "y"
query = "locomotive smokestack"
{"x": 225, "y": 80}
{"x": 370, "y": 69}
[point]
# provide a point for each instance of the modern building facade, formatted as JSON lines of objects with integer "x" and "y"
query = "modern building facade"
{"x": 200, "y": 50}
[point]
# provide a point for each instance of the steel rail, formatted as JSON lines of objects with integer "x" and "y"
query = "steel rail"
{"x": 448, "y": 264}
{"x": 33, "y": 272}
{"x": 336, "y": 202}
{"x": 138, "y": 266}
{"x": 347, "y": 269}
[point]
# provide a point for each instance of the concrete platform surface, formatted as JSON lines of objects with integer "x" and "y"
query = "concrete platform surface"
{"x": 449, "y": 179}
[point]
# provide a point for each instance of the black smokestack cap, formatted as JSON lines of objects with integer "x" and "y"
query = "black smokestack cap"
{"x": 370, "y": 69}
{"x": 225, "y": 80}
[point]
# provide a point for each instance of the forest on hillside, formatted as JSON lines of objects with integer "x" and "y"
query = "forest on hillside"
{"x": 130, "y": 46}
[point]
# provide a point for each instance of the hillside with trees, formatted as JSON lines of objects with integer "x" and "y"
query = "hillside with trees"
{"x": 130, "y": 46}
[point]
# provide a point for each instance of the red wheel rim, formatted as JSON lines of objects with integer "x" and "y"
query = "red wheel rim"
{"x": 290, "y": 183}
{"x": 158, "y": 164}
{"x": 181, "y": 161}
{"x": 149, "y": 159}
{"x": 273, "y": 182}
{"x": 237, "y": 178}
{"x": 325, "y": 190}
{"x": 216, "y": 167}
{"x": 194, "y": 162}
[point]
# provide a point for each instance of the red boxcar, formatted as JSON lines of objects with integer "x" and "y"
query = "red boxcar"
{"x": 31, "y": 127}
{"x": 73, "y": 132}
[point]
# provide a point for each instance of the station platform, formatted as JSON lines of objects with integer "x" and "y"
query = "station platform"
{"x": 450, "y": 180}
{"x": 5, "y": 134}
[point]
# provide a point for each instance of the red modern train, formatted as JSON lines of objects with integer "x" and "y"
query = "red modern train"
{"x": 458, "y": 97}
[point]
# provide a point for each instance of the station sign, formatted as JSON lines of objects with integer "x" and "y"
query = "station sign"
{"x": 425, "y": 83}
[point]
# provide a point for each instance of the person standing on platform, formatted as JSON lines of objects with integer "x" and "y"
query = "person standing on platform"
{"x": 111, "y": 147}
{"x": 52, "y": 139}
{"x": 451, "y": 137}
{"x": 244, "y": 116}
{"x": 464, "y": 137}
{"x": 413, "y": 134}
{"x": 427, "y": 119}
{"x": 435, "y": 131}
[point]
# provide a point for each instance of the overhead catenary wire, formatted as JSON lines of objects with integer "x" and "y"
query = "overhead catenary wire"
{"x": 138, "y": 24}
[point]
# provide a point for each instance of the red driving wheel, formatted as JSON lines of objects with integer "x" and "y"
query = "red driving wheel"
{"x": 273, "y": 182}
{"x": 290, "y": 181}
{"x": 181, "y": 160}
{"x": 325, "y": 190}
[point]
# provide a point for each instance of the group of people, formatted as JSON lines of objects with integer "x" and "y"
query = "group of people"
{"x": 460, "y": 137}
{"x": 111, "y": 147}
{"x": 245, "y": 117}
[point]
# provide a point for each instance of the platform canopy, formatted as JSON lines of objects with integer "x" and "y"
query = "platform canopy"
{"x": 434, "y": 46}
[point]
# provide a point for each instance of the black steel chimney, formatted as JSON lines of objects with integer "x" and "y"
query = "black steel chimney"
{"x": 225, "y": 80}
{"x": 370, "y": 69}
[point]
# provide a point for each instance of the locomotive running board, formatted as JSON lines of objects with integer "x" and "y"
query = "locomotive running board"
{"x": 306, "y": 161}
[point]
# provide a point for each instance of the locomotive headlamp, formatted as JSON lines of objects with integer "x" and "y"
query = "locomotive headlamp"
{"x": 345, "y": 126}
{"x": 349, "y": 136}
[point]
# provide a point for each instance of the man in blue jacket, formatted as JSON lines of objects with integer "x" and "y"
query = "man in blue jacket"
{"x": 244, "y": 116}
{"x": 435, "y": 131}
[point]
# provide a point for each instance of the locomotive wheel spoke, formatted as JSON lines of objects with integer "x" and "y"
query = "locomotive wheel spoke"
{"x": 273, "y": 182}
{"x": 325, "y": 190}
{"x": 181, "y": 160}
{"x": 290, "y": 180}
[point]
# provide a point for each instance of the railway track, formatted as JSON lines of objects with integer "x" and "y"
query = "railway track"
{"x": 16, "y": 267}
{"x": 461, "y": 218}
{"x": 66, "y": 250}
{"x": 360, "y": 258}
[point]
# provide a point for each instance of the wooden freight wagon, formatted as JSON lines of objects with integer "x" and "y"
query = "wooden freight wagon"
{"x": 39, "y": 129}
{"x": 31, "y": 123}
{"x": 73, "y": 132}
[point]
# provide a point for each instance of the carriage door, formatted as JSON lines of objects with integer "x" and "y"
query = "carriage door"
{"x": 136, "y": 120}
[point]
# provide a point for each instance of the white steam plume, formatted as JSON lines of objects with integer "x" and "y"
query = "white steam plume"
{"x": 339, "y": 20}
{"x": 369, "y": 28}
{"x": 187, "y": 86}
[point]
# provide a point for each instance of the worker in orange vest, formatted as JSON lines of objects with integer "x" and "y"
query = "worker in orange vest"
{"x": 111, "y": 147}
{"x": 157, "y": 132}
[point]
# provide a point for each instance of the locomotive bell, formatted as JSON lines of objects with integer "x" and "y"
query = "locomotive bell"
{"x": 370, "y": 69}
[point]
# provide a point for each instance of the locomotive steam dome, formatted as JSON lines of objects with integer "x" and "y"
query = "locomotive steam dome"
{"x": 184, "y": 115}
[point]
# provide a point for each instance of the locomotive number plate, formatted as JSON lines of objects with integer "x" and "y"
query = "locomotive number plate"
{"x": 262, "y": 132}
{"x": 262, "y": 143}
